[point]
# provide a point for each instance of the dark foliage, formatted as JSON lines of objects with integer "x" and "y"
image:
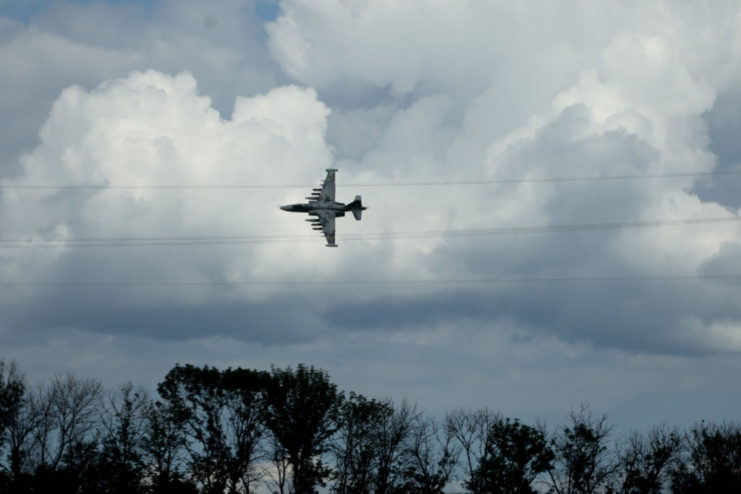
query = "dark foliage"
{"x": 220, "y": 415}
{"x": 515, "y": 455}
{"x": 302, "y": 411}
{"x": 647, "y": 459}
{"x": 470, "y": 428}
{"x": 228, "y": 431}
{"x": 713, "y": 463}
{"x": 356, "y": 447}
{"x": 583, "y": 463}
{"x": 429, "y": 458}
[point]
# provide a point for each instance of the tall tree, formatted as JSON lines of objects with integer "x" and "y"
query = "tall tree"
{"x": 124, "y": 422}
{"x": 163, "y": 445}
{"x": 245, "y": 403}
{"x": 220, "y": 412}
{"x": 68, "y": 410}
{"x": 583, "y": 463}
{"x": 302, "y": 412}
{"x": 430, "y": 457}
{"x": 20, "y": 432}
{"x": 390, "y": 439}
{"x": 647, "y": 459}
{"x": 63, "y": 416}
{"x": 470, "y": 428}
{"x": 12, "y": 400}
{"x": 355, "y": 447}
{"x": 12, "y": 388}
{"x": 714, "y": 460}
{"x": 515, "y": 455}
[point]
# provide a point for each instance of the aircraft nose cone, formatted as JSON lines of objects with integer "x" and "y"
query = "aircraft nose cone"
{"x": 284, "y": 208}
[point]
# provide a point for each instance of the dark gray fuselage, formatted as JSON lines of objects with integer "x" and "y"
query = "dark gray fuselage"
{"x": 338, "y": 208}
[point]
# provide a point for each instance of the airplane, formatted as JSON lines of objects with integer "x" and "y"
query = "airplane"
{"x": 324, "y": 209}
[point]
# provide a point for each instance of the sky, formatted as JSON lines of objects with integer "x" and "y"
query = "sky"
{"x": 518, "y": 282}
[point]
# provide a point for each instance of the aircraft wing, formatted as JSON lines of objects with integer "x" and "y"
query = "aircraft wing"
{"x": 327, "y": 192}
{"x": 326, "y": 218}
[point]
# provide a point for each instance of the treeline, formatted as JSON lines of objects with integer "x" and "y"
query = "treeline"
{"x": 292, "y": 431}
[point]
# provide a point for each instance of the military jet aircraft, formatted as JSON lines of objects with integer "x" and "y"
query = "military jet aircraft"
{"x": 324, "y": 209}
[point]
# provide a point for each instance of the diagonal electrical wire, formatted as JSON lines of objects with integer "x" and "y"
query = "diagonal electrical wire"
{"x": 430, "y": 183}
{"x": 421, "y": 234}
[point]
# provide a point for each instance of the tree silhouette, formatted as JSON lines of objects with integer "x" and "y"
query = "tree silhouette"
{"x": 647, "y": 458}
{"x": 220, "y": 412}
{"x": 218, "y": 431}
{"x": 514, "y": 456}
{"x": 356, "y": 448}
{"x": 302, "y": 412}
{"x": 124, "y": 424}
{"x": 583, "y": 464}
{"x": 470, "y": 428}
{"x": 391, "y": 437}
{"x": 714, "y": 463}
{"x": 163, "y": 444}
{"x": 67, "y": 413}
{"x": 430, "y": 455}
{"x": 13, "y": 429}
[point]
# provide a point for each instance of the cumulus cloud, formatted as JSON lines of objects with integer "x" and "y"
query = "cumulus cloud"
{"x": 66, "y": 43}
{"x": 153, "y": 129}
{"x": 626, "y": 93}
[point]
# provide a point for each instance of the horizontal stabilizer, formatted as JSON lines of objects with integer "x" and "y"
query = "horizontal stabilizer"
{"x": 356, "y": 207}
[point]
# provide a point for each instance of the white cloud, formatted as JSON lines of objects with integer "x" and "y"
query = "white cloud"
{"x": 155, "y": 129}
{"x": 461, "y": 46}
{"x": 66, "y": 43}
{"x": 625, "y": 101}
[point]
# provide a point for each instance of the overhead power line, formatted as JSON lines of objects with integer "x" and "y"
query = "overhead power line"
{"x": 461, "y": 281}
{"x": 430, "y": 183}
{"x": 410, "y": 234}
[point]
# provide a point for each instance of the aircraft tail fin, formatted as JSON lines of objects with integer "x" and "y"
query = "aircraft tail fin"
{"x": 356, "y": 207}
